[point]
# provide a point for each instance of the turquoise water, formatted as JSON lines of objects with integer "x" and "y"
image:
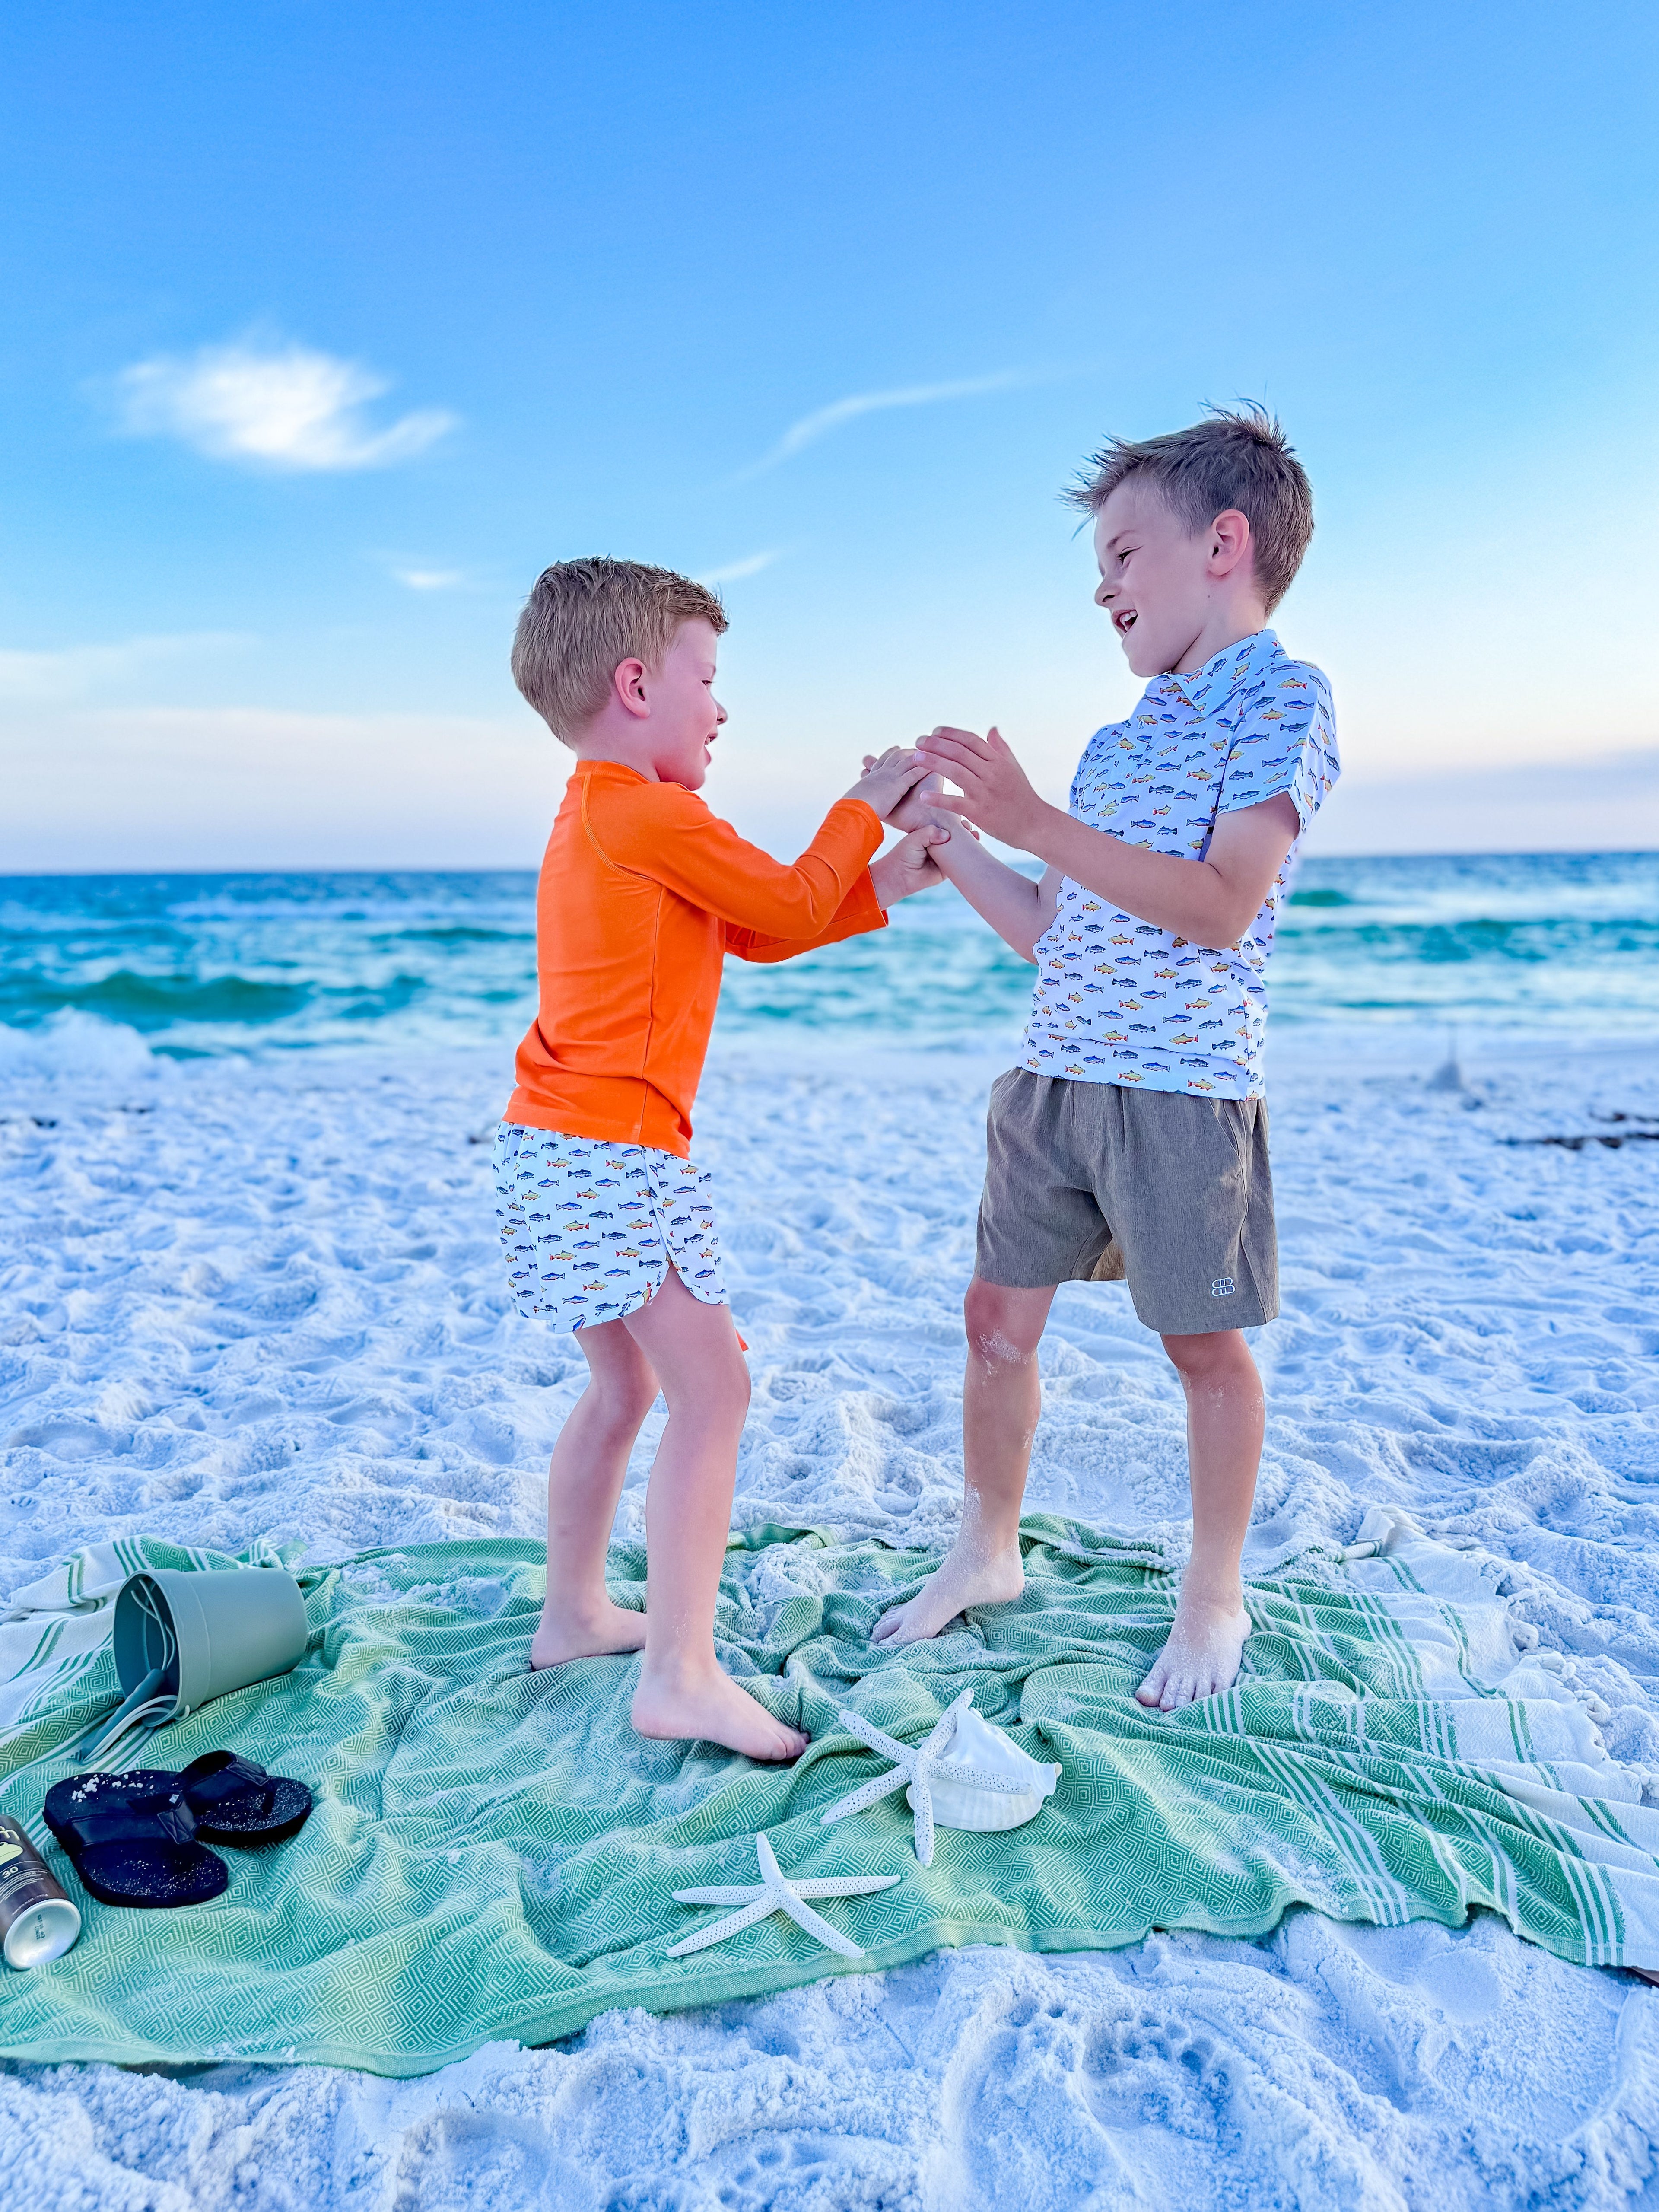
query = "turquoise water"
{"x": 196, "y": 964}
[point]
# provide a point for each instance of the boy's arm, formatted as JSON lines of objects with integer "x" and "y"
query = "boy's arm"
{"x": 908, "y": 868}
{"x": 1018, "y": 911}
{"x": 1211, "y": 901}
{"x": 665, "y": 832}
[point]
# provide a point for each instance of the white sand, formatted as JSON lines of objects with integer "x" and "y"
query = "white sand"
{"x": 238, "y": 1299}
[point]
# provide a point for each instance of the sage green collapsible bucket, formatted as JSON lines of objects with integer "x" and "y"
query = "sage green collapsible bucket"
{"x": 204, "y": 1634}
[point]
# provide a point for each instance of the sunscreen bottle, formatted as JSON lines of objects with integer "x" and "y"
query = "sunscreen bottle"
{"x": 38, "y": 1923}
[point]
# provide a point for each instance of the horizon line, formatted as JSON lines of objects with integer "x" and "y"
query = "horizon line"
{"x": 530, "y": 867}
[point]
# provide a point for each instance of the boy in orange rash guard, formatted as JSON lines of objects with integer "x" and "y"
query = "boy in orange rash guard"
{"x": 608, "y": 1226}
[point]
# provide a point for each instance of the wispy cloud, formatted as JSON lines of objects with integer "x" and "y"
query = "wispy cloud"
{"x": 822, "y": 420}
{"x": 430, "y": 580}
{"x": 733, "y": 572}
{"x": 280, "y": 406}
{"x": 77, "y": 670}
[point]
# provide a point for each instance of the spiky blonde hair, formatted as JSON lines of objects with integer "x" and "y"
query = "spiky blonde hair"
{"x": 584, "y": 618}
{"x": 1235, "y": 457}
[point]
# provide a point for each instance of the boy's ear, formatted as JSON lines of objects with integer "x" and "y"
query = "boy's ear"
{"x": 628, "y": 682}
{"x": 1230, "y": 541}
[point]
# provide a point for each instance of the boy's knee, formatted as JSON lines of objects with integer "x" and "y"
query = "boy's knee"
{"x": 718, "y": 1390}
{"x": 1001, "y": 1333}
{"x": 724, "y": 1405}
{"x": 1217, "y": 1353}
{"x": 625, "y": 1397}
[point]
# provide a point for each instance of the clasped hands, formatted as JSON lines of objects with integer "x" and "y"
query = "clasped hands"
{"x": 995, "y": 793}
{"x": 886, "y": 785}
{"x": 906, "y": 786}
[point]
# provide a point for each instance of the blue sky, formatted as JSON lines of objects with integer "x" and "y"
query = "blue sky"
{"x": 328, "y": 327}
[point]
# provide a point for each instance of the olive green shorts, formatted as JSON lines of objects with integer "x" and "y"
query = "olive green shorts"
{"x": 1169, "y": 1193}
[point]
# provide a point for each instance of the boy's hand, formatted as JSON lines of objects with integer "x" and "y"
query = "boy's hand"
{"x": 887, "y": 778}
{"x": 923, "y": 803}
{"x": 909, "y": 867}
{"x": 996, "y": 792}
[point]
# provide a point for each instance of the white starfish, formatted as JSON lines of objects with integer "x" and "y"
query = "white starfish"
{"x": 776, "y": 1893}
{"x": 920, "y": 1765}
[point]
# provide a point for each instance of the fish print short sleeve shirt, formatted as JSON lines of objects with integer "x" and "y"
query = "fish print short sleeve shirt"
{"x": 1119, "y": 1000}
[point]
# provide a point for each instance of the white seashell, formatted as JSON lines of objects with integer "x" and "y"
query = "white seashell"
{"x": 987, "y": 1750}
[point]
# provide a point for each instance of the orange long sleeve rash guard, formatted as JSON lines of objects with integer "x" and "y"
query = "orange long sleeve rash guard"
{"x": 642, "y": 893}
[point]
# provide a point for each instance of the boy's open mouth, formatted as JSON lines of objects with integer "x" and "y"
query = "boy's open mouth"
{"x": 1124, "y": 621}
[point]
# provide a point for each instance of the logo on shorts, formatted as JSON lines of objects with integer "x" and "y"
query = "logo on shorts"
{"x": 1223, "y": 1287}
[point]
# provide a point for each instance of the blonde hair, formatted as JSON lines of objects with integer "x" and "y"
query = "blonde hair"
{"x": 584, "y": 618}
{"x": 1236, "y": 458}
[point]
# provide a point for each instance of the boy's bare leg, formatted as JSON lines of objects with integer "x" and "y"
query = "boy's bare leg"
{"x": 1001, "y": 1399}
{"x": 682, "y": 1691}
{"x": 1226, "y": 1419}
{"x": 584, "y": 1481}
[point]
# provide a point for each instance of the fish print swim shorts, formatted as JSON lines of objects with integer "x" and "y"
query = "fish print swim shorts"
{"x": 591, "y": 1229}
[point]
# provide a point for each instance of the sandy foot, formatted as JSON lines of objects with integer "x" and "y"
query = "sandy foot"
{"x": 593, "y": 1637}
{"x": 714, "y": 1710}
{"x": 966, "y": 1578}
{"x": 1200, "y": 1657}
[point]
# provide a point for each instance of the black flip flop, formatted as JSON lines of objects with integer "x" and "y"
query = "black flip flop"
{"x": 237, "y": 1804}
{"x": 131, "y": 1839}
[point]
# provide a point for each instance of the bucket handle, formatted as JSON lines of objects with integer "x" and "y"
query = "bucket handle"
{"x": 148, "y": 1708}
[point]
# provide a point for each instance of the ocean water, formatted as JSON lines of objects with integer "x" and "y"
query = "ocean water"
{"x": 187, "y": 965}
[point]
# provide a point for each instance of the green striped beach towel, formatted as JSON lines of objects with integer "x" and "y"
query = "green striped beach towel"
{"x": 493, "y": 1852}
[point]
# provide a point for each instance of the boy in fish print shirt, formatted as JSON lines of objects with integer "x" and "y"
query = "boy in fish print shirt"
{"x": 607, "y": 1225}
{"x": 1131, "y": 1141}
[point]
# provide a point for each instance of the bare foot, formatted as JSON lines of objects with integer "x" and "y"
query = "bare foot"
{"x": 966, "y": 1578}
{"x": 714, "y": 1710}
{"x": 1201, "y": 1657}
{"x": 587, "y": 1636}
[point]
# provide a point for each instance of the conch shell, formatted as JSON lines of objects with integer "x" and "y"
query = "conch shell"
{"x": 986, "y": 1750}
